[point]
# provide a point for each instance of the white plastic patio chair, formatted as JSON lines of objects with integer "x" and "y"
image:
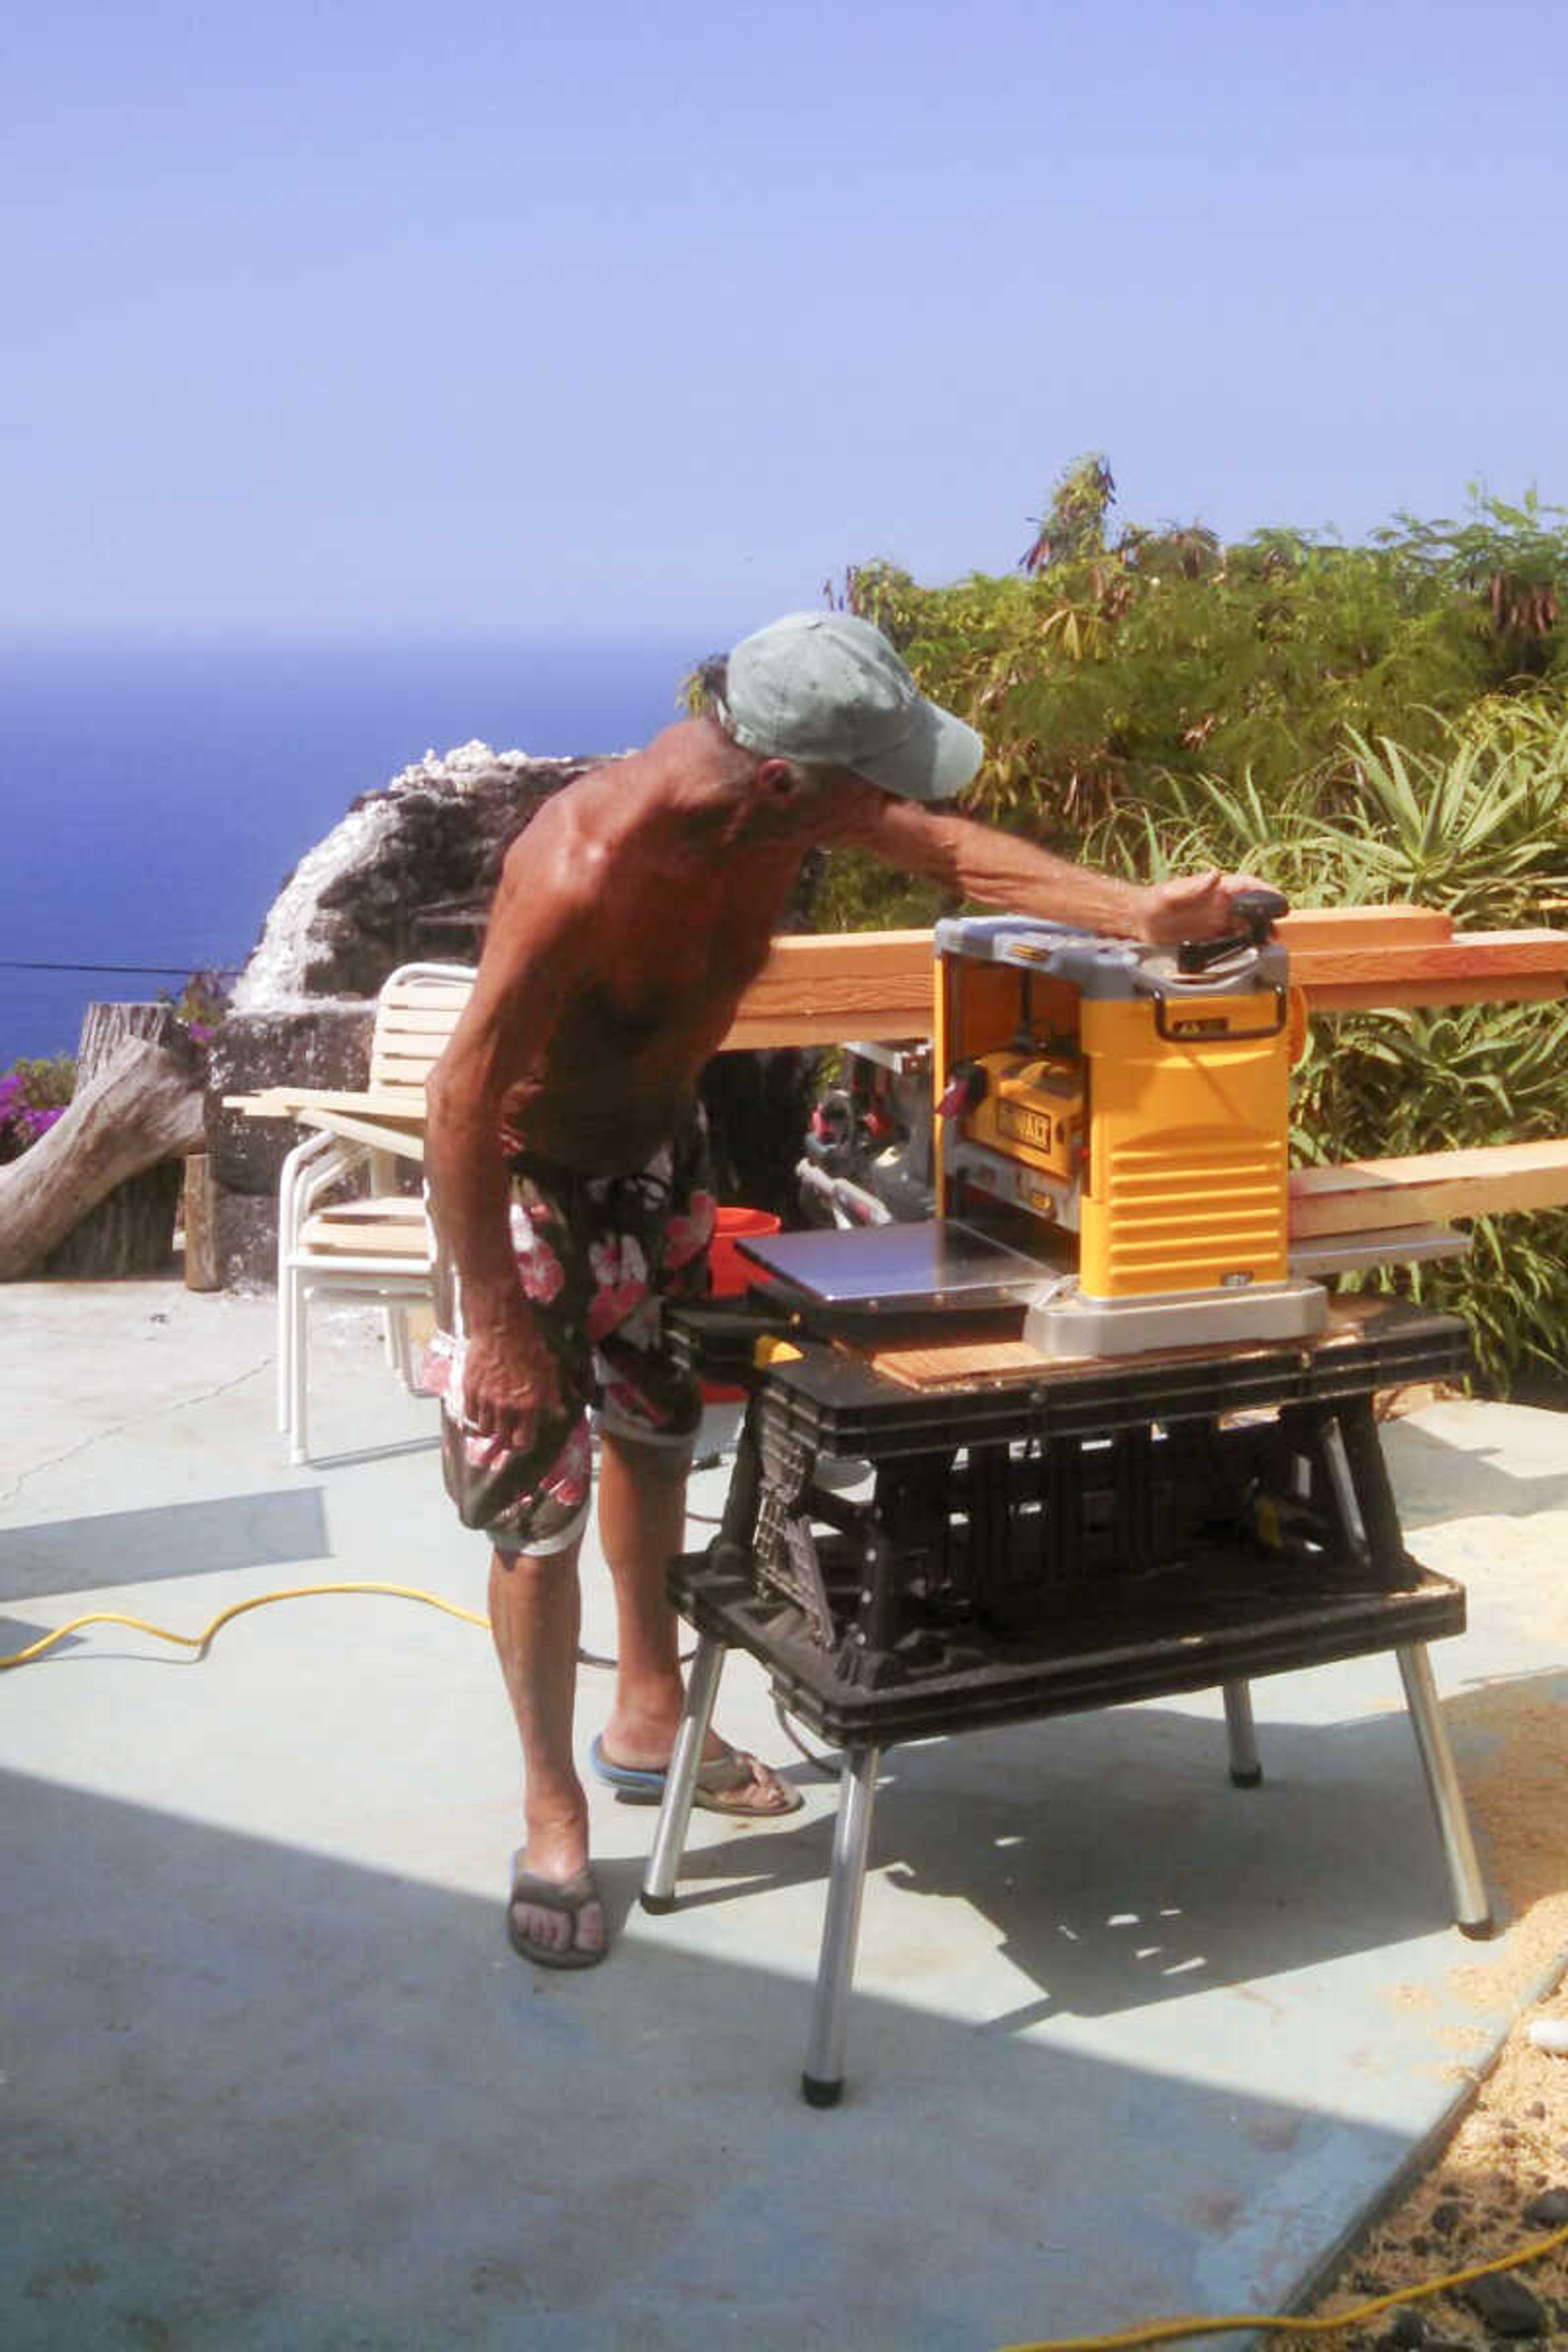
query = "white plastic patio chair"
{"x": 375, "y": 1247}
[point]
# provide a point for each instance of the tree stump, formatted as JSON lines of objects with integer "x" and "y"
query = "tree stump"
{"x": 132, "y": 1230}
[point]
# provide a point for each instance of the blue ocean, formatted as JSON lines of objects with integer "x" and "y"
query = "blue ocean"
{"x": 156, "y": 796}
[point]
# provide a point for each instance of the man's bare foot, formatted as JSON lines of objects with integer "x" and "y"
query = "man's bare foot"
{"x": 558, "y": 1923}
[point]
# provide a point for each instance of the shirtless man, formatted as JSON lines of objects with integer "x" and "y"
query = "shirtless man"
{"x": 565, "y": 1162}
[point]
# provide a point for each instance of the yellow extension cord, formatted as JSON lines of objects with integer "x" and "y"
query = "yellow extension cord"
{"x": 1159, "y": 2331}
{"x": 199, "y": 1642}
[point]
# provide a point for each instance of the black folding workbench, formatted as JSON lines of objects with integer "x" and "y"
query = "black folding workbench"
{"x": 907, "y": 1561}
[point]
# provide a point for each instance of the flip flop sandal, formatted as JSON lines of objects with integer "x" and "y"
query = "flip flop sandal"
{"x": 566, "y": 1896}
{"x": 715, "y": 1779}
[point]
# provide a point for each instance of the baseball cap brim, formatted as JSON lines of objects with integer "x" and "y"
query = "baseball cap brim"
{"x": 932, "y": 760}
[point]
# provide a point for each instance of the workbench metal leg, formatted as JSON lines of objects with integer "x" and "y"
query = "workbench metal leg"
{"x": 1246, "y": 1769}
{"x": 680, "y": 1780}
{"x": 1471, "y": 1904}
{"x": 823, "y": 2079}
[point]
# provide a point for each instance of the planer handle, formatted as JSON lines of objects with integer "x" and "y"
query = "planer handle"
{"x": 1256, "y": 910}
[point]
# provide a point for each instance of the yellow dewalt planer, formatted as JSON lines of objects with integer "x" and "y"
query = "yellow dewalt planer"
{"x": 1122, "y": 1111}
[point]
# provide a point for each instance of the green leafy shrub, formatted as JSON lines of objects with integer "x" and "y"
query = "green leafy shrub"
{"x": 1382, "y": 1085}
{"x": 1107, "y": 672}
{"x": 1354, "y": 724}
{"x": 1477, "y": 827}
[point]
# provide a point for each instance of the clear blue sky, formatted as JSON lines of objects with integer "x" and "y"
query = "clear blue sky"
{"x": 447, "y": 318}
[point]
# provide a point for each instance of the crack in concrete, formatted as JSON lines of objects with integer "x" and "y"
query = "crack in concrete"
{"x": 117, "y": 1429}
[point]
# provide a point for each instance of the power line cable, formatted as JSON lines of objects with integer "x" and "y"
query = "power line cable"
{"x": 156, "y": 970}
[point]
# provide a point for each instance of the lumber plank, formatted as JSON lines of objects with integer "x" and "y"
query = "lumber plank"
{"x": 943, "y": 1362}
{"x": 928, "y": 1360}
{"x": 1468, "y": 956}
{"x": 1489, "y": 1180}
{"x": 820, "y": 990}
{"x": 883, "y": 1022}
{"x": 1395, "y": 925}
{"x": 1413, "y": 995}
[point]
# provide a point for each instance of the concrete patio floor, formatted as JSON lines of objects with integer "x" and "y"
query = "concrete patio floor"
{"x": 1125, "y": 2042}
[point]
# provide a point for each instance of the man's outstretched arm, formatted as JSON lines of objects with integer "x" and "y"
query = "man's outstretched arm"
{"x": 981, "y": 862}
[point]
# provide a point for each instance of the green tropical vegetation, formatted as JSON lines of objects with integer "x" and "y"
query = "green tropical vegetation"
{"x": 1386, "y": 721}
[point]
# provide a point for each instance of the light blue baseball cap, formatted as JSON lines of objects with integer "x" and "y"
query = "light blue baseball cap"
{"x": 828, "y": 689}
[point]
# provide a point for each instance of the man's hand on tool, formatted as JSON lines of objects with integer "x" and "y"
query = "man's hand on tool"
{"x": 1192, "y": 907}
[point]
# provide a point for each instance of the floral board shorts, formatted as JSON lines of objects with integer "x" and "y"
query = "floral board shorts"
{"x": 597, "y": 1257}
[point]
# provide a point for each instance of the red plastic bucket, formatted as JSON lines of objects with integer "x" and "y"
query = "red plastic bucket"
{"x": 731, "y": 1271}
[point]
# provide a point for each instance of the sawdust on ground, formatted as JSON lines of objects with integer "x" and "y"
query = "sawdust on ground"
{"x": 1512, "y": 2144}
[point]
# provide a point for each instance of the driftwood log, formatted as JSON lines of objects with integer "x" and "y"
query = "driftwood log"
{"x": 143, "y": 1106}
{"x": 131, "y": 1230}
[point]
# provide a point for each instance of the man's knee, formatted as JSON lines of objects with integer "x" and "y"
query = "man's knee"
{"x": 554, "y": 1554}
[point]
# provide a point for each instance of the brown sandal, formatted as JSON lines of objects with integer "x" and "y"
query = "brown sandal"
{"x": 567, "y": 1895}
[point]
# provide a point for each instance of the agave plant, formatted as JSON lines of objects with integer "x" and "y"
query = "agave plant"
{"x": 1479, "y": 830}
{"x": 1387, "y": 1084}
{"x": 1512, "y": 1292}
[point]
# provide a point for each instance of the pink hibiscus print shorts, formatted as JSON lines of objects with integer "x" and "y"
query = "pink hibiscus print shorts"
{"x": 597, "y": 1259}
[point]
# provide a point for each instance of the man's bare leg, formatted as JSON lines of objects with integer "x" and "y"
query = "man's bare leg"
{"x": 535, "y": 1611}
{"x": 642, "y": 1525}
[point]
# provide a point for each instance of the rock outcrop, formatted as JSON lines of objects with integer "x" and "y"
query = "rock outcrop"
{"x": 406, "y": 876}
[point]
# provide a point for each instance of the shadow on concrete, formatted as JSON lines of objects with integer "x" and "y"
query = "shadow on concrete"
{"x": 20, "y": 1633}
{"x": 169, "y": 1540}
{"x": 1121, "y": 1869}
{"x": 263, "y": 2097}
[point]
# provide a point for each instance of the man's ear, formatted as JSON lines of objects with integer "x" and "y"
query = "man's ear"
{"x": 778, "y": 779}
